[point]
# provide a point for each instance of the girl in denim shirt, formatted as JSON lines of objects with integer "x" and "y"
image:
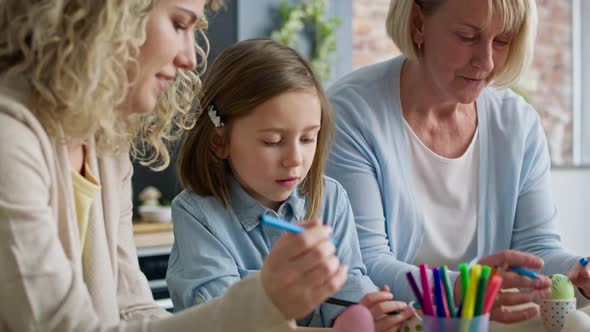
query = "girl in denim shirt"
{"x": 259, "y": 147}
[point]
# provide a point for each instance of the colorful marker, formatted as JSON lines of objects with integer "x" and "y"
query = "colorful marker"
{"x": 448, "y": 290}
{"x": 346, "y": 303}
{"x": 284, "y": 225}
{"x": 469, "y": 301}
{"x": 495, "y": 271}
{"x": 428, "y": 307}
{"x": 583, "y": 261}
{"x": 415, "y": 289}
{"x": 481, "y": 289}
{"x": 524, "y": 272}
{"x": 464, "y": 275}
{"x": 493, "y": 288}
{"x": 438, "y": 293}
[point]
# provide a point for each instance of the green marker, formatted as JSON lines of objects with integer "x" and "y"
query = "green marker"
{"x": 464, "y": 279}
{"x": 448, "y": 290}
{"x": 481, "y": 291}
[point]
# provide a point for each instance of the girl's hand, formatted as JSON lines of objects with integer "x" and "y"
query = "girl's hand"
{"x": 580, "y": 277}
{"x": 380, "y": 303}
{"x": 530, "y": 289}
{"x": 302, "y": 270}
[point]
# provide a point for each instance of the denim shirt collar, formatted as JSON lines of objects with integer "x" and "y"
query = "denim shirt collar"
{"x": 247, "y": 209}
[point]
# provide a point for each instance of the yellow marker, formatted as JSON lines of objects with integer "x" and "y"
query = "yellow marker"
{"x": 469, "y": 301}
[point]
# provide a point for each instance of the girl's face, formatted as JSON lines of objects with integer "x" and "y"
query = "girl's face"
{"x": 461, "y": 53}
{"x": 168, "y": 47}
{"x": 272, "y": 148}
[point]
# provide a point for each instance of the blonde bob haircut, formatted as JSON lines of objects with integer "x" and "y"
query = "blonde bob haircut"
{"x": 75, "y": 55}
{"x": 242, "y": 77}
{"x": 519, "y": 19}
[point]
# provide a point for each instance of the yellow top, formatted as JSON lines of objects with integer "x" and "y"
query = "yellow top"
{"x": 85, "y": 188}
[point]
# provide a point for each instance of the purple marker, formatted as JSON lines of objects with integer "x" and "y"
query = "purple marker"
{"x": 415, "y": 289}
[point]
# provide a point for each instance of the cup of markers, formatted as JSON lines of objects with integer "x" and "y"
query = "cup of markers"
{"x": 479, "y": 288}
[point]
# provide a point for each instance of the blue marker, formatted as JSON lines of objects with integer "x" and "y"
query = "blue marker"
{"x": 524, "y": 272}
{"x": 438, "y": 293}
{"x": 583, "y": 261}
{"x": 284, "y": 225}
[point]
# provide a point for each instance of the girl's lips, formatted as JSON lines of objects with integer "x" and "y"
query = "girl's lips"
{"x": 288, "y": 182}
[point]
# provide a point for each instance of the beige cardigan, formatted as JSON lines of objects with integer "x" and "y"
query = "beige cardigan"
{"x": 46, "y": 284}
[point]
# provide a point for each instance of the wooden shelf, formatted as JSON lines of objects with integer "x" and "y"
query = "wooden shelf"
{"x": 151, "y": 227}
{"x": 152, "y": 234}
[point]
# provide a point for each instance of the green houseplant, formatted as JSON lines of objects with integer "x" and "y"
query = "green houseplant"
{"x": 311, "y": 14}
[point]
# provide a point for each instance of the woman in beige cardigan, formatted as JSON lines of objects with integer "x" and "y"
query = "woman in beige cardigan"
{"x": 82, "y": 84}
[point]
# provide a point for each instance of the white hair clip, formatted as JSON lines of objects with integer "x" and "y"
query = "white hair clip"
{"x": 214, "y": 117}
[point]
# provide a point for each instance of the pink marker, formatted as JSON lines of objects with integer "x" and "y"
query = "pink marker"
{"x": 428, "y": 308}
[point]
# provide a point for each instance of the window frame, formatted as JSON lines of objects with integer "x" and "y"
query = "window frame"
{"x": 581, "y": 82}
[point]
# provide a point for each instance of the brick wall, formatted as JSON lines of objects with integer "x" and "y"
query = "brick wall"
{"x": 551, "y": 74}
{"x": 370, "y": 43}
{"x": 547, "y": 85}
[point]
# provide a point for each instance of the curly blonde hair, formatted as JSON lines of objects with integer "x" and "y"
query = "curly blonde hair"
{"x": 75, "y": 55}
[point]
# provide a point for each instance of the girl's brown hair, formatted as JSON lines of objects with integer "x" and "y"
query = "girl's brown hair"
{"x": 242, "y": 77}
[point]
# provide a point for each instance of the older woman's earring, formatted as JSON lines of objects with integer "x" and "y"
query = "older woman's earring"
{"x": 419, "y": 49}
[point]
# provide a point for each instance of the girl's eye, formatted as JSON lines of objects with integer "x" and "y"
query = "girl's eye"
{"x": 272, "y": 143}
{"x": 308, "y": 140}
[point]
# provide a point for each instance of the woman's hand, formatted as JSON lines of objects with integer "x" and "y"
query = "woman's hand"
{"x": 380, "y": 303}
{"x": 580, "y": 277}
{"x": 530, "y": 289}
{"x": 302, "y": 270}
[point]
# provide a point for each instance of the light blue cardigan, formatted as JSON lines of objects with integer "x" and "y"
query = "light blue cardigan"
{"x": 372, "y": 160}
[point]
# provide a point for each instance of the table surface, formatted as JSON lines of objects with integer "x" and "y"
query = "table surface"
{"x": 532, "y": 325}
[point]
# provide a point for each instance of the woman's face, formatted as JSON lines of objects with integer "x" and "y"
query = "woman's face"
{"x": 168, "y": 47}
{"x": 460, "y": 52}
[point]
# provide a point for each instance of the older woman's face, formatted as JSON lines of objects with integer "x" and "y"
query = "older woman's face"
{"x": 460, "y": 51}
{"x": 168, "y": 47}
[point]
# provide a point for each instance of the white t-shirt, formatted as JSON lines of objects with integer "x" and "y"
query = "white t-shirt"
{"x": 446, "y": 190}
